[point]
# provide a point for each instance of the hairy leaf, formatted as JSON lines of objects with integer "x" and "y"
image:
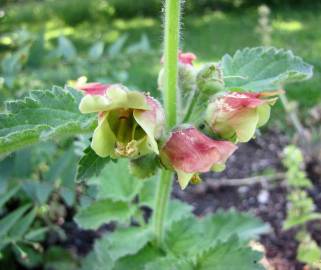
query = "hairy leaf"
{"x": 126, "y": 241}
{"x": 116, "y": 183}
{"x": 191, "y": 236}
{"x": 103, "y": 211}
{"x": 41, "y": 116}
{"x": 90, "y": 164}
{"x": 230, "y": 255}
{"x": 261, "y": 69}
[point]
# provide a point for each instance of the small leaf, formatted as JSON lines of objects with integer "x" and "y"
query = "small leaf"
{"x": 90, "y": 164}
{"x": 191, "y": 236}
{"x": 117, "y": 243}
{"x": 96, "y": 50}
{"x": 116, "y": 183}
{"x": 178, "y": 210}
{"x": 169, "y": 263}
{"x": 230, "y": 255}
{"x": 117, "y": 46}
{"x": 148, "y": 192}
{"x": 139, "y": 260}
{"x": 102, "y": 212}
{"x": 8, "y": 195}
{"x": 41, "y": 116}
{"x": 66, "y": 48}
{"x": 10, "y": 220}
{"x": 22, "y": 226}
{"x": 144, "y": 167}
{"x": 263, "y": 69}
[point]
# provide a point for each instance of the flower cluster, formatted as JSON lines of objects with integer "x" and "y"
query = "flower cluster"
{"x": 131, "y": 124}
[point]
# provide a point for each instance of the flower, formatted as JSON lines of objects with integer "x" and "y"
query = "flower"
{"x": 129, "y": 122}
{"x": 186, "y": 73}
{"x": 186, "y": 58}
{"x": 235, "y": 116}
{"x": 189, "y": 152}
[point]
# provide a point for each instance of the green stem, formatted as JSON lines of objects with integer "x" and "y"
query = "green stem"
{"x": 171, "y": 40}
{"x": 162, "y": 198}
{"x": 172, "y": 21}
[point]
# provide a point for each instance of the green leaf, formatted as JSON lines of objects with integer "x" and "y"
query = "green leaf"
{"x": 63, "y": 169}
{"x": 148, "y": 192}
{"x": 262, "y": 69}
{"x": 90, "y": 164}
{"x": 8, "y": 195}
{"x": 139, "y": 260}
{"x": 97, "y": 260}
{"x": 104, "y": 211}
{"x": 116, "y": 183}
{"x": 10, "y": 220}
{"x": 96, "y": 51}
{"x": 169, "y": 263}
{"x": 177, "y": 210}
{"x": 231, "y": 256}
{"x": 117, "y": 46}
{"x": 22, "y": 226}
{"x": 66, "y": 48}
{"x": 125, "y": 241}
{"x": 191, "y": 236}
{"x": 42, "y": 115}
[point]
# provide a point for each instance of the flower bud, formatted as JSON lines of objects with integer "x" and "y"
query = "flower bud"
{"x": 235, "y": 116}
{"x": 186, "y": 73}
{"x": 189, "y": 152}
{"x": 210, "y": 79}
{"x": 129, "y": 122}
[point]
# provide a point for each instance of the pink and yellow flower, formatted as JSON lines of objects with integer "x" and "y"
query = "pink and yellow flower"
{"x": 235, "y": 116}
{"x": 189, "y": 152}
{"x": 129, "y": 122}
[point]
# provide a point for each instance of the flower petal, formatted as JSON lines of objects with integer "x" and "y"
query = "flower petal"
{"x": 103, "y": 141}
{"x": 244, "y": 124}
{"x": 151, "y": 121}
{"x": 190, "y": 151}
{"x": 94, "y": 88}
{"x": 94, "y": 103}
{"x": 264, "y": 113}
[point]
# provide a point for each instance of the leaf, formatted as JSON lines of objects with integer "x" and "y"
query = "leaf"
{"x": 231, "y": 256}
{"x": 8, "y": 195}
{"x": 97, "y": 260}
{"x": 96, "y": 50}
{"x": 169, "y": 263}
{"x": 177, "y": 210}
{"x": 148, "y": 192}
{"x": 116, "y": 183}
{"x": 66, "y": 48}
{"x": 22, "y": 226}
{"x": 117, "y": 46}
{"x": 191, "y": 236}
{"x": 262, "y": 69}
{"x": 39, "y": 192}
{"x": 118, "y": 245}
{"x": 10, "y": 220}
{"x": 43, "y": 115}
{"x": 142, "y": 46}
{"x": 139, "y": 260}
{"x": 37, "y": 234}
{"x": 103, "y": 211}
{"x": 90, "y": 164}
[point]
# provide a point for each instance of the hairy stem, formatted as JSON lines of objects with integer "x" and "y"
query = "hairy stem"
{"x": 171, "y": 40}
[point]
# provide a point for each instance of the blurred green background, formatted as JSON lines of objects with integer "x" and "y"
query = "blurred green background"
{"x": 54, "y": 41}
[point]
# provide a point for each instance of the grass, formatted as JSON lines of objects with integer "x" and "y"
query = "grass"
{"x": 210, "y": 36}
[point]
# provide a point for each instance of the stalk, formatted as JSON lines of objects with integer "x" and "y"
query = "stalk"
{"x": 171, "y": 46}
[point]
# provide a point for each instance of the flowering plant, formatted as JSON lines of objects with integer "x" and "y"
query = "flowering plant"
{"x": 206, "y": 110}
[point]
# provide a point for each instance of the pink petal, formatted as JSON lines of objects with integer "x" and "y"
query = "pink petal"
{"x": 186, "y": 58}
{"x": 191, "y": 151}
{"x": 240, "y": 100}
{"x": 97, "y": 89}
